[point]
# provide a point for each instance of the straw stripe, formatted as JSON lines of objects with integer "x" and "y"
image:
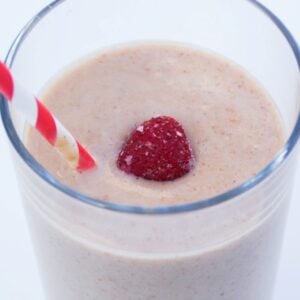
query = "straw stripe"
{"x": 45, "y": 122}
{"x": 66, "y": 143}
{"x": 6, "y": 82}
{"x": 84, "y": 160}
{"x": 25, "y": 103}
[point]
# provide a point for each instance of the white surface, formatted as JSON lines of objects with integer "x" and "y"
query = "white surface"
{"x": 18, "y": 274}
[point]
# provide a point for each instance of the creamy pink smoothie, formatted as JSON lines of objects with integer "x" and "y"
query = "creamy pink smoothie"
{"x": 234, "y": 130}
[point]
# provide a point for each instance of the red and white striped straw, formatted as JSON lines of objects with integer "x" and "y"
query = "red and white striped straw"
{"x": 44, "y": 121}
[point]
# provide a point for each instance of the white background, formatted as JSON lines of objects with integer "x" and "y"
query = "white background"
{"x": 19, "y": 279}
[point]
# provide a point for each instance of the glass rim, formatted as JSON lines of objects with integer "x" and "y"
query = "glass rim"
{"x": 158, "y": 210}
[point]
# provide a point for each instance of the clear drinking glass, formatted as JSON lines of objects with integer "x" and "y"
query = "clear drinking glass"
{"x": 226, "y": 247}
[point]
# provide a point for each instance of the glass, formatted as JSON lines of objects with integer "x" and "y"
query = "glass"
{"x": 226, "y": 247}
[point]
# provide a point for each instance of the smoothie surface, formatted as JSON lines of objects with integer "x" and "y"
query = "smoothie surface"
{"x": 231, "y": 122}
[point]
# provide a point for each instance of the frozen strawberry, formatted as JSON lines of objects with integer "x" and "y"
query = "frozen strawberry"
{"x": 157, "y": 150}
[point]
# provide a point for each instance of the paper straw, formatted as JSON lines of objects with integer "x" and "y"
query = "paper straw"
{"x": 44, "y": 121}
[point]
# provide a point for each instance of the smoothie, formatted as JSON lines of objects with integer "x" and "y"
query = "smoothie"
{"x": 234, "y": 130}
{"x": 232, "y": 124}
